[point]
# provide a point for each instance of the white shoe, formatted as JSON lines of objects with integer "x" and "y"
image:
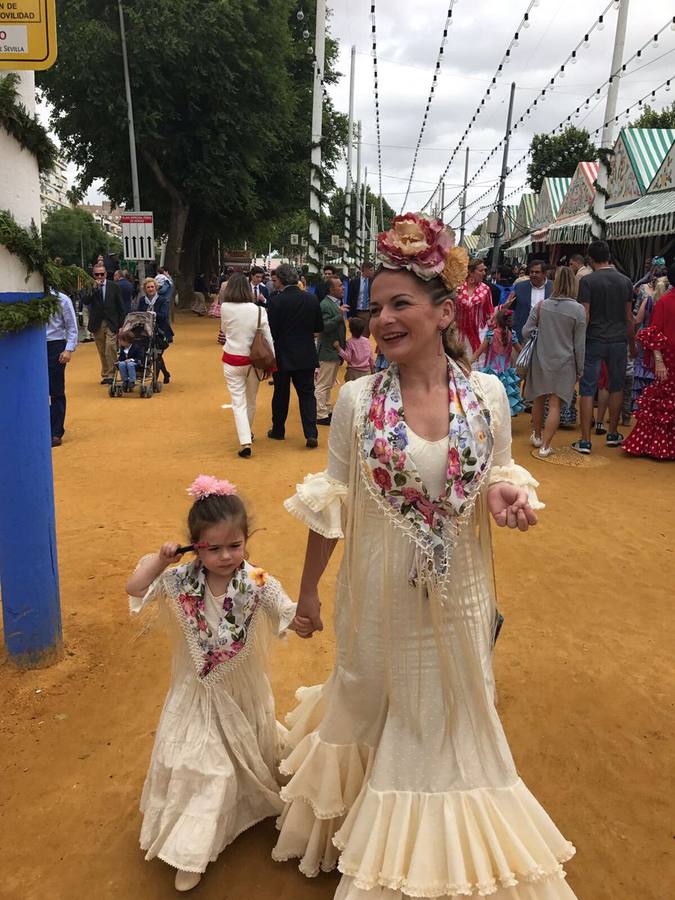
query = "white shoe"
{"x": 185, "y": 881}
{"x": 544, "y": 452}
{"x": 535, "y": 441}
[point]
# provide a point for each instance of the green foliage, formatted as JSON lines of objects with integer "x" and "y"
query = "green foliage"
{"x": 477, "y": 229}
{"x": 17, "y": 121}
{"x": 22, "y": 242}
{"x": 557, "y": 156}
{"x": 74, "y": 236}
{"x": 652, "y": 119}
{"x": 27, "y": 313}
{"x": 336, "y": 211}
{"x": 222, "y": 95}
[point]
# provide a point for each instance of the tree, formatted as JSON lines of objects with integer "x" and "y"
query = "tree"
{"x": 558, "y": 156}
{"x": 222, "y": 96}
{"x": 335, "y": 223}
{"x": 652, "y": 119}
{"x": 74, "y": 236}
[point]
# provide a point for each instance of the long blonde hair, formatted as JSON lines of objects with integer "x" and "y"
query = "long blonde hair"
{"x": 565, "y": 284}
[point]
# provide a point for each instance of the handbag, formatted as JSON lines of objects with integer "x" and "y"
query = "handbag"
{"x": 524, "y": 358}
{"x": 261, "y": 354}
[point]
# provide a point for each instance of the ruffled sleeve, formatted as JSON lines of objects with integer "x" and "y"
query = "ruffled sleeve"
{"x": 652, "y": 339}
{"x": 318, "y": 503}
{"x": 281, "y": 609}
{"x": 504, "y": 468}
{"x": 156, "y": 590}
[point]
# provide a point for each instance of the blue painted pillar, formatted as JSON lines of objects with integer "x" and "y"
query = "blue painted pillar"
{"x": 28, "y": 561}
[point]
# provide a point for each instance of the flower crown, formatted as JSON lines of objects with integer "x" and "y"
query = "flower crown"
{"x": 208, "y": 485}
{"x": 425, "y": 247}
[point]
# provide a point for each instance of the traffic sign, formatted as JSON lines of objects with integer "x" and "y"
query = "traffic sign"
{"x": 294, "y": 240}
{"x": 138, "y": 235}
{"x": 27, "y": 34}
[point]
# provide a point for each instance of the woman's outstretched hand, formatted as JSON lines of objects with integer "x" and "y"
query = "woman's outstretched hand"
{"x": 308, "y": 615}
{"x": 510, "y": 506}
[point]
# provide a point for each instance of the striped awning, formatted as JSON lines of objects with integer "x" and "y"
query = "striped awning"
{"x": 575, "y": 230}
{"x": 519, "y": 248}
{"x": 481, "y": 253}
{"x": 650, "y": 216}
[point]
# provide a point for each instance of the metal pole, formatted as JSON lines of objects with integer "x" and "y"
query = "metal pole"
{"x": 502, "y": 182}
{"x": 373, "y": 232}
{"x": 348, "y": 188}
{"x": 357, "y": 252}
{"x": 441, "y": 214}
{"x": 132, "y": 131}
{"x": 364, "y": 197}
{"x": 607, "y": 141}
{"x": 466, "y": 178}
{"x": 317, "y": 114}
{"x": 29, "y": 571}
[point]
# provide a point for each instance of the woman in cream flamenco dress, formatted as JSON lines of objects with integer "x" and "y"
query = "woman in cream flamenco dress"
{"x": 400, "y": 774}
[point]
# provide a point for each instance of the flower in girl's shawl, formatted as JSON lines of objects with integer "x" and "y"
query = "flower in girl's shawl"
{"x": 399, "y": 436}
{"x": 382, "y": 450}
{"x": 400, "y": 459}
{"x": 376, "y": 414}
{"x": 202, "y": 624}
{"x": 258, "y": 577}
{"x": 227, "y": 605}
{"x": 189, "y": 604}
{"x": 427, "y": 509}
{"x": 382, "y": 478}
{"x": 411, "y": 495}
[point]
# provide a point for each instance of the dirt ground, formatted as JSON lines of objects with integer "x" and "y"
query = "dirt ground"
{"x": 584, "y": 663}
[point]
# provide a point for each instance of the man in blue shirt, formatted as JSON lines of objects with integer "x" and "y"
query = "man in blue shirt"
{"x": 61, "y": 344}
{"x": 358, "y": 296}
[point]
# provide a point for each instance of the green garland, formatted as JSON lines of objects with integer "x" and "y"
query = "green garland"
{"x": 26, "y": 314}
{"x": 22, "y": 242}
{"x": 605, "y": 155}
{"x": 26, "y": 129}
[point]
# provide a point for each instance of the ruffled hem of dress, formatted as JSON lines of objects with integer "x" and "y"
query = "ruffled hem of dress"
{"x": 318, "y": 503}
{"x": 453, "y": 843}
{"x": 327, "y": 779}
{"x": 554, "y": 887}
{"x": 518, "y": 475}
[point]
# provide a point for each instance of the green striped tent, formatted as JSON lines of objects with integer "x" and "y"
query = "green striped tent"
{"x": 550, "y": 200}
{"x": 638, "y": 156}
{"x": 526, "y": 208}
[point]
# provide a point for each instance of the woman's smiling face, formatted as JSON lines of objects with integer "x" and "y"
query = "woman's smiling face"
{"x": 403, "y": 320}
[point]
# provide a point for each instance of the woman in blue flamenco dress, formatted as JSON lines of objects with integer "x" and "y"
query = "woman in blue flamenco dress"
{"x": 497, "y": 351}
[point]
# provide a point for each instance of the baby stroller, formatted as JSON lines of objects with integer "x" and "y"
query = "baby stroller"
{"x": 141, "y": 329}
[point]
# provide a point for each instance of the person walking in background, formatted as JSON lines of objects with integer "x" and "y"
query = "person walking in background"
{"x": 579, "y": 267}
{"x": 473, "y": 307}
{"x": 294, "y": 317}
{"x": 358, "y": 296}
{"x": 497, "y": 350}
{"x": 323, "y": 288}
{"x": 239, "y": 317}
{"x": 527, "y": 294}
{"x": 607, "y": 298}
{"x": 106, "y": 316}
{"x": 152, "y": 300}
{"x": 358, "y": 353}
{"x": 332, "y": 338}
{"x": 654, "y": 431}
{"x": 61, "y": 344}
{"x": 558, "y": 358}
{"x": 126, "y": 287}
{"x": 643, "y": 366}
{"x": 260, "y": 293}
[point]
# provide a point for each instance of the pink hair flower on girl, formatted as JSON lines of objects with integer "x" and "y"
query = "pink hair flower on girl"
{"x": 207, "y": 485}
{"x": 415, "y": 242}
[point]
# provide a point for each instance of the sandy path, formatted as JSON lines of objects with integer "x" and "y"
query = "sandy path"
{"x": 584, "y": 664}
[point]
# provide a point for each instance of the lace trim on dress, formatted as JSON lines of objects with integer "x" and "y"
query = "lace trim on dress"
{"x": 515, "y": 474}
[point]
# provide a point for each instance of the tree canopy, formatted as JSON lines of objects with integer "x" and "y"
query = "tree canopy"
{"x": 222, "y": 95}
{"x": 74, "y": 236}
{"x": 652, "y": 119}
{"x": 557, "y": 156}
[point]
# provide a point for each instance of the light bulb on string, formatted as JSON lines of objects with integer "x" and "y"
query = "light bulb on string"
{"x": 305, "y": 34}
{"x": 310, "y": 50}
{"x": 526, "y": 20}
{"x": 667, "y": 87}
{"x": 586, "y": 43}
{"x": 562, "y": 72}
{"x": 672, "y": 24}
{"x": 655, "y": 41}
{"x": 601, "y": 23}
{"x": 300, "y": 15}
{"x": 573, "y": 58}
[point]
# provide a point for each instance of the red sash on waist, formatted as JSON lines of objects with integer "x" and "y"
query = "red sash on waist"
{"x": 233, "y": 360}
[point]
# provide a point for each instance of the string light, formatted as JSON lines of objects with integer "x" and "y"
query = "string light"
{"x": 434, "y": 81}
{"x": 601, "y": 23}
{"x": 373, "y": 28}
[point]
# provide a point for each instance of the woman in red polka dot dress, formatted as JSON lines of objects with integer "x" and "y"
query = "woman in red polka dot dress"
{"x": 654, "y": 432}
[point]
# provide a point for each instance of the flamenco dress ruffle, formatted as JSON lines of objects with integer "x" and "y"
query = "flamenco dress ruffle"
{"x": 654, "y": 431}
{"x": 511, "y": 384}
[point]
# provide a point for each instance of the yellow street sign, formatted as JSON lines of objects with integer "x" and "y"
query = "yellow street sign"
{"x": 27, "y": 34}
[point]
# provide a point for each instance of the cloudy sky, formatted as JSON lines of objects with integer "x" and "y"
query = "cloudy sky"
{"x": 408, "y": 38}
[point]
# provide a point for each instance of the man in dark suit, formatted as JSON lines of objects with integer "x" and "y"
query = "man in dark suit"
{"x": 126, "y": 287}
{"x": 358, "y": 295}
{"x": 294, "y": 317}
{"x": 527, "y": 294}
{"x": 260, "y": 293}
{"x": 106, "y": 315}
{"x": 323, "y": 287}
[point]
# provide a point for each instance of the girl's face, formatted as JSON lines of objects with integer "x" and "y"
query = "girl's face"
{"x": 226, "y": 548}
{"x": 403, "y": 320}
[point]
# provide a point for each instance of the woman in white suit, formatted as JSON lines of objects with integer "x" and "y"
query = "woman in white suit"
{"x": 238, "y": 322}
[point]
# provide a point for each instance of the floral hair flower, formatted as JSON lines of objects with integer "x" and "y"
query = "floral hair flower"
{"x": 207, "y": 485}
{"x": 417, "y": 243}
{"x": 455, "y": 269}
